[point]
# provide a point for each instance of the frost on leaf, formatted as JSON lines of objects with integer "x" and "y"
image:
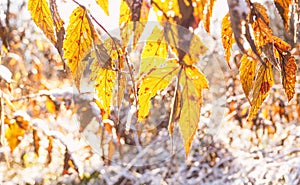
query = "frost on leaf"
{"x": 41, "y": 15}
{"x": 289, "y": 70}
{"x": 283, "y": 9}
{"x": 104, "y": 5}
{"x": 227, "y": 37}
{"x": 158, "y": 79}
{"x": 247, "y": 73}
{"x": 78, "y": 41}
{"x": 192, "y": 83}
{"x": 262, "y": 85}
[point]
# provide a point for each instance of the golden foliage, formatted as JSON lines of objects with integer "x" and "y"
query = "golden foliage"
{"x": 263, "y": 83}
{"x": 158, "y": 79}
{"x": 289, "y": 71}
{"x": 192, "y": 82}
{"x": 283, "y": 8}
{"x": 41, "y": 15}
{"x": 104, "y": 5}
{"x": 78, "y": 40}
{"x": 14, "y": 134}
{"x": 227, "y": 37}
{"x": 247, "y": 73}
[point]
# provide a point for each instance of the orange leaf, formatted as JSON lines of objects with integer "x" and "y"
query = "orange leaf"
{"x": 283, "y": 8}
{"x": 281, "y": 45}
{"x": 263, "y": 83}
{"x": 227, "y": 37}
{"x": 247, "y": 73}
{"x": 289, "y": 71}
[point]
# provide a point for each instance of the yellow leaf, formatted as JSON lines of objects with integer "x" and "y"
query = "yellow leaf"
{"x": 77, "y": 42}
{"x": 169, "y": 8}
{"x": 133, "y": 19}
{"x": 104, "y": 5}
{"x": 41, "y": 15}
{"x": 158, "y": 79}
{"x": 227, "y": 37}
{"x": 263, "y": 83}
{"x": 105, "y": 80}
{"x": 247, "y": 73}
{"x": 288, "y": 72}
{"x": 192, "y": 82}
{"x": 13, "y": 135}
{"x": 194, "y": 50}
{"x": 154, "y": 52}
{"x": 283, "y": 8}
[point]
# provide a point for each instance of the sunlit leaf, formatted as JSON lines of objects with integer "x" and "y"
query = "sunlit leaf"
{"x": 78, "y": 41}
{"x": 13, "y": 135}
{"x": 227, "y": 37}
{"x": 157, "y": 80}
{"x": 104, "y": 80}
{"x": 166, "y": 10}
{"x": 104, "y": 5}
{"x": 289, "y": 71}
{"x": 41, "y": 15}
{"x": 247, "y": 73}
{"x": 192, "y": 82}
{"x": 283, "y": 8}
{"x": 263, "y": 83}
{"x": 281, "y": 44}
{"x": 155, "y": 51}
{"x": 132, "y": 21}
{"x": 262, "y": 32}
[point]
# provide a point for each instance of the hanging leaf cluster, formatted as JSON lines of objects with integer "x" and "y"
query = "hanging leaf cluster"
{"x": 266, "y": 53}
{"x": 170, "y": 54}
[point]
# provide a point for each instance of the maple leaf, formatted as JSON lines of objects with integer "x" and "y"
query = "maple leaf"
{"x": 77, "y": 42}
{"x": 158, "y": 79}
{"x": 288, "y": 73}
{"x": 247, "y": 73}
{"x": 283, "y": 8}
{"x": 104, "y": 5}
{"x": 192, "y": 82}
{"x": 227, "y": 37}
{"x": 263, "y": 83}
{"x": 41, "y": 15}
